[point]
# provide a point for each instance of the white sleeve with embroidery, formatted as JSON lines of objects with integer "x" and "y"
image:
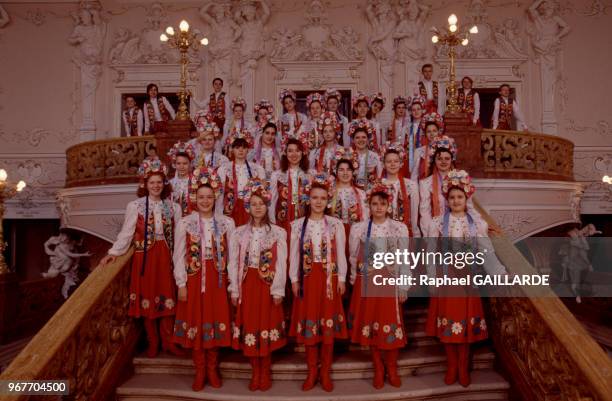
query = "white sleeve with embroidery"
{"x": 126, "y": 235}
{"x": 492, "y": 264}
{"x": 495, "y": 114}
{"x": 340, "y": 251}
{"x": 233, "y": 265}
{"x": 425, "y": 205}
{"x": 404, "y": 244}
{"x": 518, "y": 115}
{"x": 180, "y": 271}
{"x": 169, "y": 107}
{"x": 274, "y": 192}
{"x": 294, "y": 251}
{"x": 147, "y": 125}
{"x": 433, "y": 232}
{"x": 354, "y": 241}
{"x": 277, "y": 289}
{"x": 414, "y": 207}
{"x": 126, "y": 125}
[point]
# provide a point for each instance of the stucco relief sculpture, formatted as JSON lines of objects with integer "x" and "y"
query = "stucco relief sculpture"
{"x": 546, "y": 39}
{"x": 64, "y": 259}
{"x": 4, "y": 17}
{"x": 88, "y": 38}
{"x": 409, "y": 34}
{"x": 382, "y": 44}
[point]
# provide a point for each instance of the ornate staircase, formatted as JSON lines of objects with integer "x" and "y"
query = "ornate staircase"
{"x": 421, "y": 364}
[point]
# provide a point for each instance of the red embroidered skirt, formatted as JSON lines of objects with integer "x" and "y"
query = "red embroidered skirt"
{"x": 259, "y": 326}
{"x": 456, "y": 319}
{"x": 316, "y": 318}
{"x": 203, "y": 321}
{"x": 239, "y": 213}
{"x": 152, "y": 294}
{"x": 373, "y": 321}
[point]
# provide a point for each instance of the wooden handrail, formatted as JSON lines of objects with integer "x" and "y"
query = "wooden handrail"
{"x": 87, "y": 342}
{"x": 546, "y": 351}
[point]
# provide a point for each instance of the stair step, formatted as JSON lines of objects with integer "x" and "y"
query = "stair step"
{"x": 486, "y": 385}
{"x": 415, "y": 361}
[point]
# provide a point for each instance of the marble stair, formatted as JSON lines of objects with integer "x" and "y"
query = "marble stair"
{"x": 421, "y": 364}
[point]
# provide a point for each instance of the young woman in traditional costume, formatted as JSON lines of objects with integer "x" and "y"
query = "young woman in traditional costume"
{"x": 149, "y": 226}
{"x": 456, "y": 314}
{"x": 200, "y": 270}
{"x": 405, "y": 201}
{"x": 258, "y": 271}
{"x": 376, "y": 320}
{"x": 182, "y": 156}
{"x": 317, "y": 270}
{"x": 322, "y": 159}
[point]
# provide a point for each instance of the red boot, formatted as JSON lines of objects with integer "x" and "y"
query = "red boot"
{"x": 265, "y": 380}
{"x": 464, "y": 362}
{"x": 150, "y": 326}
{"x": 199, "y": 361}
{"x": 312, "y": 361}
{"x": 391, "y": 365}
{"x": 255, "y": 373}
{"x": 379, "y": 369}
{"x": 166, "y": 328}
{"x": 327, "y": 355}
{"x": 212, "y": 365}
{"x": 451, "y": 363}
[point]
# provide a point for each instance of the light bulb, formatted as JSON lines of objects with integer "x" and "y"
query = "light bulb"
{"x": 163, "y": 37}
{"x": 605, "y": 178}
{"x": 453, "y": 28}
{"x": 474, "y": 29}
{"x": 170, "y": 31}
{"x": 21, "y": 185}
{"x": 452, "y": 19}
{"x": 3, "y": 175}
{"x": 204, "y": 41}
{"x": 184, "y": 26}
{"x": 435, "y": 39}
{"x": 465, "y": 42}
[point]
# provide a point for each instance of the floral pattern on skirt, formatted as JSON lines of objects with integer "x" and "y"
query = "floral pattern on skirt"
{"x": 152, "y": 294}
{"x": 456, "y": 319}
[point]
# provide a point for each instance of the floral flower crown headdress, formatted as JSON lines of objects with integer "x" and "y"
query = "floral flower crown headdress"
{"x": 239, "y": 102}
{"x": 360, "y": 97}
{"x": 240, "y": 134}
{"x": 393, "y": 148}
{"x": 333, "y": 93}
{"x": 365, "y": 124}
{"x": 342, "y": 154}
{"x": 181, "y": 148}
{"x": 258, "y": 187}
{"x": 443, "y": 142}
{"x": 328, "y": 118}
{"x": 203, "y": 176}
{"x": 399, "y": 100}
{"x": 264, "y": 104}
{"x": 418, "y": 99}
{"x": 315, "y": 97}
{"x": 459, "y": 179}
{"x": 433, "y": 118}
{"x": 379, "y": 187}
{"x": 149, "y": 166}
{"x": 286, "y": 93}
{"x": 302, "y": 136}
{"x": 379, "y": 96}
{"x": 320, "y": 180}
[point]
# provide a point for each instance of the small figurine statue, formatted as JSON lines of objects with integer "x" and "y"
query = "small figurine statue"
{"x": 576, "y": 257}
{"x": 64, "y": 259}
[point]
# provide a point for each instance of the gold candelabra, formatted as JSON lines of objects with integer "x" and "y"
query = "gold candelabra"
{"x": 452, "y": 37}
{"x": 184, "y": 40}
{"x": 7, "y": 191}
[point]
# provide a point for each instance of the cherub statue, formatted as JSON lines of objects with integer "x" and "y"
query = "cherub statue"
{"x": 575, "y": 257}
{"x": 409, "y": 30}
{"x": 63, "y": 259}
{"x": 550, "y": 28}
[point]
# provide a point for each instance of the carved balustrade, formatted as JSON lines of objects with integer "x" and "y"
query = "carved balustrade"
{"x": 88, "y": 342}
{"x": 546, "y": 352}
